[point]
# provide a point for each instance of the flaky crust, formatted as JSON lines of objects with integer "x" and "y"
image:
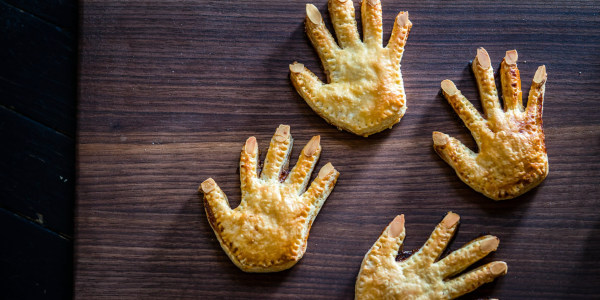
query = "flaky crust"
{"x": 268, "y": 231}
{"x": 364, "y": 93}
{"x": 422, "y": 276}
{"x": 512, "y": 156}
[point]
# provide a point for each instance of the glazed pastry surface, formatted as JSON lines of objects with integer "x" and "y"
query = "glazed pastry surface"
{"x": 422, "y": 275}
{"x": 512, "y": 156}
{"x": 268, "y": 231}
{"x": 364, "y": 93}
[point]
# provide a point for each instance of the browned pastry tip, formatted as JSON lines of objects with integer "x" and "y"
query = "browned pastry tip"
{"x": 282, "y": 133}
{"x": 208, "y": 185}
{"x": 313, "y": 14}
{"x": 313, "y": 145}
{"x": 439, "y": 139}
{"x": 450, "y": 219}
{"x": 250, "y": 145}
{"x": 326, "y": 170}
{"x": 373, "y": 2}
{"x": 397, "y": 226}
{"x": 483, "y": 58}
{"x": 540, "y": 75}
{"x": 511, "y": 57}
{"x": 296, "y": 67}
{"x": 489, "y": 244}
{"x": 402, "y": 19}
{"x": 448, "y": 87}
{"x": 498, "y": 268}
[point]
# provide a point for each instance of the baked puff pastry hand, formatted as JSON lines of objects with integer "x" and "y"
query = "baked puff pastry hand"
{"x": 364, "y": 93}
{"x": 268, "y": 231}
{"x": 422, "y": 276}
{"x": 512, "y": 155}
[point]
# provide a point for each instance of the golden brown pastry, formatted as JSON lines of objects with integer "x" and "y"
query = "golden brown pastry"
{"x": 422, "y": 276}
{"x": 267, "y": 232}
{"x": 512, "y": 155}
{"x": 364, "y": 93}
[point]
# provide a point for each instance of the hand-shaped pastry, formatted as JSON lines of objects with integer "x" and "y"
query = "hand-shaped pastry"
{"x": 267, "y": 232}
{"x": 364, "y": 93}
{"x": 421, "y": 276}
{"x": 512, "y": 155}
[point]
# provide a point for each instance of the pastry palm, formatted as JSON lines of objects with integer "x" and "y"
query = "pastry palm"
{"x": 512, "y": 155}
{"x": 364, "y": 93}
{"x": 421, "y": 276}
{"x": 268, "y": 231}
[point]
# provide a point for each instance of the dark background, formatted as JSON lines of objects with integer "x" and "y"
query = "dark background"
{"x": 38, "y": 52}
{"x": 170, "y": 90}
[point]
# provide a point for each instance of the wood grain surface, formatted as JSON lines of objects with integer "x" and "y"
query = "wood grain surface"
{"x": 170, "y": 90}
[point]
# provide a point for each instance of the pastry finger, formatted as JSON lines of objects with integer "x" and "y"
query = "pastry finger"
{"x": 390, "y": 240}
{"x": 278, "y": 154}
{"x": 462, "y": 258}
{"x": 321, "y": 187}
{"x": 438, "y": 240}
{"x": 215, "y": 201}
{"x": 402, "y": 26}
{"x": 371, "y": 20}
{"x": 249, "y": 164}
{"x": 469, "y": 282}
{"x": 300, "y": 174}
{"x": 457, "y": 155}
{"x": 511, "y": 82}
{"x": 535, "y": 103}
{"x": 320, "y": 36}
{"x": 344, "y": 22}
{"x": 484, "y": 75}
{"x": 464, "y": 109}
{"x": 306, "y": 82}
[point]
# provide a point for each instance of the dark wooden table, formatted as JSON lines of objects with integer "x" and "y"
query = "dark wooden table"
{"x": 170, "y": 90}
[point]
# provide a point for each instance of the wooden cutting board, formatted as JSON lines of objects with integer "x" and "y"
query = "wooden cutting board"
{"x": 170, "y": 90}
